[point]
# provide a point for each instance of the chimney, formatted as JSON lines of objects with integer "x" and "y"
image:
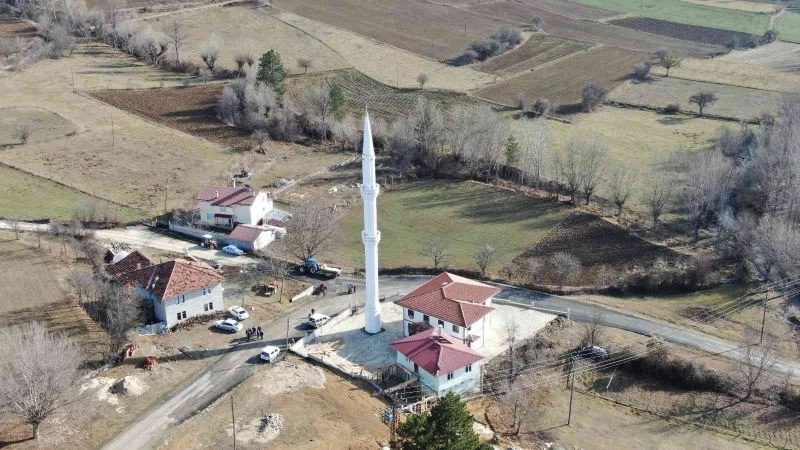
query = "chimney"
{"x": 138, "y": 266}
{"x": 216, "y": 194}
{"x": 234, "y": 181}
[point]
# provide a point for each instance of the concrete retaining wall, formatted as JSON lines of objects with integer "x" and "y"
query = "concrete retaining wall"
{"x": 305, "y": 293}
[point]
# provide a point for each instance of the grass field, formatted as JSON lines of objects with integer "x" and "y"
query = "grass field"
{"x": 727, "y": 71}
{"x": 28, "y": 197}
{"x": 780, "y": 56}
{"x": 591, "y": 31}
{"x": 386, "y": 63}
{"x": 537, "y": 50}
{"x": 733, "y": 101}
{"x": 597, "y": 244}
{"x": 385, "y": 102}
{"x": 788, "y": 26}
{"x": 464, "y": 215}
{"x": 689, "y": 13}
{"x": 131, "y": 162}
{"x": 254, "y": 32}
{"x": 743, "y": 5}
{"x": 640, "y": 140}
{"x": 561, "y": 83}
{"x": 48, "y": 125}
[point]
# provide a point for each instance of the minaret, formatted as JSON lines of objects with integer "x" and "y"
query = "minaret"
{"x": 370, "y": 236}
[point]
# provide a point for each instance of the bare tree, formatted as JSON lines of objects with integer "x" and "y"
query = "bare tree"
{"x": 757, "y": 358}
{"x": 311, "y": 230}
{"x": 641, "y": 71}
{"x": 708, "y": 178}
{"x": 521, "y": 102}
{"x": 154, "y": 45}
{"x": 435, "y": 249}
{"x": 583, "y": 166}
{"x": 320, "y": 105}
{"x": 534, "y": 142}
{"x": 593, "y": 95}
{"x": 243, "y": 60}
{"x": 668, "y": 59}
{"x": 261, "y": 137}
{"x": 620, "y": 186}
{"x": 210, "y": 53}
{"x": 658, "y": 197}
{"x": 535, "y": 269}
{"x": 513, "y": 363}
{"x": 121, "y": 312}
{"x": 305, "y": 64}
{"x": 39, "y": 372}
{"x": 83, "y": 284}
{"x": 566, "y": 268}
{"x": 702, "y": 99}
{"x": 542, "y": 107}
{"x": 484, "y": 257}
{"x": 177, "y": 34}
{"x": 592, "y": 333}
{"x": 25, "y": 130}
{"x": 422, "y": 79}
{"x": 15, "y": 226}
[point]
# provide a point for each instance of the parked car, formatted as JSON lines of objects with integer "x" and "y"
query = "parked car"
{"x": 591, "y": 352}
{"x": 317, "y": 320}
{"x": 233, "y": 250}
{"x": 270, "y": 353}
{"x": 238, "y": 312}
{"x": 231, "y": 325}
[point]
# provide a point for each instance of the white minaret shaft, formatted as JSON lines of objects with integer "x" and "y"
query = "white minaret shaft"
{"x": 370, "y": 236}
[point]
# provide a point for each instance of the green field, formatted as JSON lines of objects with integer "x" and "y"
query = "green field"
{"x": 464, "y": 215}
{"x": 690, "y": 13}
{"x": 29, "y": 197}
{"x": 788, "y": 26}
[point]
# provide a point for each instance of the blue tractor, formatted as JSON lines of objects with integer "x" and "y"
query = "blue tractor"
{"x": 312, "y": 267}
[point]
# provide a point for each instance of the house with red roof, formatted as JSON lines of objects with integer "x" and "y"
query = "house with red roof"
{"x": 178, "y": 289}
{"x": 225, "y": 206}
{"x": 441, "y": 362}
{"x": 459, "y": 306}
{"x": 127, "y": 263}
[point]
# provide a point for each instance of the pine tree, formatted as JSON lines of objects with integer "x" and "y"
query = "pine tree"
{"x": 337, "y": 102}
{"x": 512, "y": 151}
{"x": 270, "y": 71}
{"x": 447, "y": 427}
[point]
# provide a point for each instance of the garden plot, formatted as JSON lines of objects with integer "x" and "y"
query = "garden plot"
{"x": 707, "y": 35}
{"x": 254, "y": 33}
{"x": 561, "y": 83}
{"x": 537, "y": 50}
{"x": 733, "y": 101}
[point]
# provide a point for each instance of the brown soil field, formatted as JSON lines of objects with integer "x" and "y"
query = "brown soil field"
{"x": 561, "y": 83}
{"x": 779, "y": 55}
{"x": 596, "y": 243}
{"x": 570, "y": 9}
{"x": 733, "y": 101}
{"x": 537, "y": 50}
{"x": 705, "y": 35}
{"x": 255, "y": 32}
{"x": 384, "y": 101}
{"x": 421, "y": 27}
{"x": 591, "y": 31}
{"x": 16, "y": 27}
{"x": 193, "y": 110}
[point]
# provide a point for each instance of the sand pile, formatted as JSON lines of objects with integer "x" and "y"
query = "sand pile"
{"x": 130, "y": 386}
{"x": 100, "y": 389}
{"x": 260, "y": 429}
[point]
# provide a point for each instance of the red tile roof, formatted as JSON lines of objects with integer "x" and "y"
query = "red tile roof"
{"x": 452, "y": 298}
{"x": 436, "y": 352}
{"x": 134, "y": 261}
{"x": 227, "y": 196}
{"x": 246, "y": 233}
{"x": 172, "y": 278}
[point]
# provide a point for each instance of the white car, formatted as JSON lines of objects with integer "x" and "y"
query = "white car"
{"x": 270, "y": 353}
{"x": 317, "y": 320}
{"x": 238, "y": 312}
{"x": 229, "y": 325}
{"x": 233, "y": 250}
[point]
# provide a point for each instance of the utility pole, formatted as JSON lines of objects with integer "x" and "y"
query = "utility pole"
{"x": 287, "y": 334}
{"x": 763, "y": 321}
{"x": 166, "y": 189}
{"x": 465, "y": 25}
{"x": 397, "y": 76}
{"x": 113, "y": 138}
{"x": 233, "y": 422}
{"x": 71, "y": 71}
{"x": 571, "y": 390}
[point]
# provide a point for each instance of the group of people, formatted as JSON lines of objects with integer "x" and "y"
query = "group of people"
{"x": 254, "y": 332}
{"x": 351, "y": 288}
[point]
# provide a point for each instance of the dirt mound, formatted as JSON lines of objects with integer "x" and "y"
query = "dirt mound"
{"x": 99, "y": 389}
{"x": 130, "y": 386}
{"x": 260, "y": 429}
{"x": 289, "y": 377}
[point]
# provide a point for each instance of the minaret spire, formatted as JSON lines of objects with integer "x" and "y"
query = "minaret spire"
{"x": 370, "y": 236}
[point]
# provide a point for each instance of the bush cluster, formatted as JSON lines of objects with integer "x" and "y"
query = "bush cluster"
{"x": 501, "y": 41}
{"x": 671, "y": 276}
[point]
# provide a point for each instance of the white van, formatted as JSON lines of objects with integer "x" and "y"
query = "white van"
{"x": 317, "y": 320}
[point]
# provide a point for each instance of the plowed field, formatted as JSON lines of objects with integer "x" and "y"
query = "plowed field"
{"x": 596, "y": 244}
{"x": 537, "y": 50}
{"x": 706, "y": 35}
{"x": 561, "y": 83}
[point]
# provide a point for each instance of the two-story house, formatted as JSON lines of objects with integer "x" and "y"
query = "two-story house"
{"x": 223, "y": 206}
{"x": 441, "y": 362}
{"x": 178, "y": 289}
{"x": 458, "y": 305}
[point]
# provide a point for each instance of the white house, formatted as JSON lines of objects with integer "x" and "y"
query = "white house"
{"x": 254, "y": 237}
{"x": 441, "y": 362}
{"x": 457, "y": 305}
{"x": 178, "y": 289}
{"x": 223, "y": 206}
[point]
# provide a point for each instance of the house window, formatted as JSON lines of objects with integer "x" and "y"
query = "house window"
{"x": 426, "y": 318}
{"x": 208, "y": 306}
{"x": 441, "y": 323}
{"x": 416, "y": 368}
{"x": 450, "y": 376}
{"x": 455, "y": 328}
{"x": 181, "y": 315}
{"x": 410, "y": 314}
{"x": 181, "y": 298}
{"x": 468, "y": 369}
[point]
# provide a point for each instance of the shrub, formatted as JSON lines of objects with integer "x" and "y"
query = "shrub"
{"x": 641, "y": 72}
{"x": 768, "y": 37}
{"x": 751, "y": 41}
{"x": 542, "y": 107}
{"x": 593, "y": 95}
{"x": 672, "y": 108}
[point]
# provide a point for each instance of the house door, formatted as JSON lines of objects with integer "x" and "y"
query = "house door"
{"x": 416, "y": 369}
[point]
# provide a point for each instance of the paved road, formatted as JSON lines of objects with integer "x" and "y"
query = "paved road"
{"x": 231, "y": 368}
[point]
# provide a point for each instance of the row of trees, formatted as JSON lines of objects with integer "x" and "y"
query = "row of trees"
{"x": 501, "y": 41}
